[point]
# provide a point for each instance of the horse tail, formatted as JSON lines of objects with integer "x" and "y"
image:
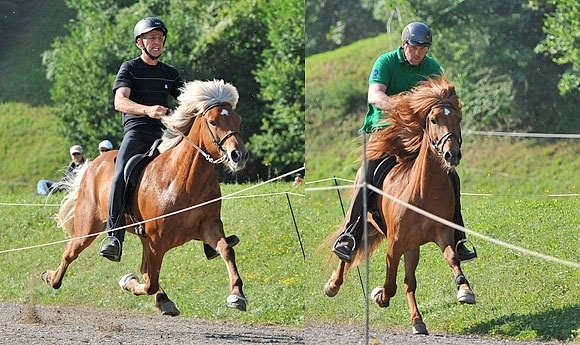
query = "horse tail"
{"x": 66, "y": 212}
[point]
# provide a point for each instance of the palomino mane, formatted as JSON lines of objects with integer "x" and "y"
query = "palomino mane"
{"x": 410, "y": 109}
{"x": 196, "y": 97}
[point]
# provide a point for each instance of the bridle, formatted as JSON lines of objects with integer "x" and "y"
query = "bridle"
{"x": 214, "y": 138}
{"x": 438, "y": 146}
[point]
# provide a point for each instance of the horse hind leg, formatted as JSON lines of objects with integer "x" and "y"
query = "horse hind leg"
{"x": 382, "y": 295}
{"x": 411, "y": 262}
{"x": 150, "y": 268}
{"x": 336, "y": 279}
{"x": 163, "y": 304}
{"x": 71, "y": 252}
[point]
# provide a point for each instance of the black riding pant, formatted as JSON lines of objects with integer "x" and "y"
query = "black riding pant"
{"x": 135, "y": 141}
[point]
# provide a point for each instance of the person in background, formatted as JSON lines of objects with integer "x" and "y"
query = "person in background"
{"x": 45, "y": 187}
{"x": 105, "y": 146}
{"x": 394, "y": 72}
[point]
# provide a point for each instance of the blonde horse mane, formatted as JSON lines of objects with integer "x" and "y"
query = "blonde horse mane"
{"x": 196, "y": 97}
{"x": 410, "y": 109}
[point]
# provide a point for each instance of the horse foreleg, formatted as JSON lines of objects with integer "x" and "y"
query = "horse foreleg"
{"x": 383, "y": 295}
{"x": 464, "y": 293}
{"x": 411, "y": 262}
{"x": 236, "y": 299}
{"x": 71, "y": 252}
{"x": 336, "y": 279}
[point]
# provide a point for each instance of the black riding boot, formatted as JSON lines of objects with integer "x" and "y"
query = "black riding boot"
{"x": 348, "y": 241}
{"x": 351, "y": 236}
{"x": 114, "y": 248}
{"x": 462, "y": 251}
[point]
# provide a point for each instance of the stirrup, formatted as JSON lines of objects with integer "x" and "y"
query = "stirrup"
{"x": 341, "y": 239}
{"x": 111, "y": 239}
{"x": 473, "y": 249}
{"x": 113, "y": 257}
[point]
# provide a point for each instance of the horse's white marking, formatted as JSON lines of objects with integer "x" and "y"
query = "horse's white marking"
{"x": 225, "y": 112}
{"x": 447, "y": 112}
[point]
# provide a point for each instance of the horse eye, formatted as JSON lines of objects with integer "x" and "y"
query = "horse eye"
{"x": 213, "y": 123}
{"x": 434, "y": 120}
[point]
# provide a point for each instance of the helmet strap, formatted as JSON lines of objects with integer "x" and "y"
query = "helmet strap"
{"x": 150, "y": 55}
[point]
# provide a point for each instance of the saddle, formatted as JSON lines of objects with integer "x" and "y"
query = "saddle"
{"x": 135, "y": 166}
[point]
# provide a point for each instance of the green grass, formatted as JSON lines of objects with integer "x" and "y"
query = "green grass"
{"x": 508, "y": 185}
{"x": 519, "y": 296}
{"x": 269, "y": 259}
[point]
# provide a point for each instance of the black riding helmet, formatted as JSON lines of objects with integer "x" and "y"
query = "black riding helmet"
{"x": 417, "y": 34}
{"x": 146, "y": 25}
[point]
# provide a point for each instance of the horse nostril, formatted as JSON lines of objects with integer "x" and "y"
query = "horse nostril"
{"x": 448, "y": 156}
{"x": 234, "y": 156}
{"x": 238, "y": 156}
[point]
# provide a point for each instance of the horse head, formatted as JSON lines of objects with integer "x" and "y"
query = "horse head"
{"x": 443, "y": 131}
{"x": 223, "y": 125}
{"x": 216, "y": 136}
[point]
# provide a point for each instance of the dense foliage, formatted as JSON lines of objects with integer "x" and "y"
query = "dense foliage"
{"x": 234, "y": 40}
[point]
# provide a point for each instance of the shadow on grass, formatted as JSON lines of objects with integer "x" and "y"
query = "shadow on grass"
{"x": 554, "y": 324}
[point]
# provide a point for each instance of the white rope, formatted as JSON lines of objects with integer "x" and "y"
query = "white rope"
{"x": 476, "y": 234}
{"x": 314, "y": 189}
{"x": 160, "y": 217}
{"x": 525, "y": 135}
{"x": 455, "y": 226}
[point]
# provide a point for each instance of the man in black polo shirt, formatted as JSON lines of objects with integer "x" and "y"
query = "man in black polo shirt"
{"x": 142, "y": 89}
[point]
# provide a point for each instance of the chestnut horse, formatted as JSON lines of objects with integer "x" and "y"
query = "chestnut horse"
{"x": 201, "y": 132}
{"x": 425, "y": 137}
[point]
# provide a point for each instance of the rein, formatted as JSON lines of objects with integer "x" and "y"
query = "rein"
{"x": 438, "y": 146}
{"x": 218, "y": 143}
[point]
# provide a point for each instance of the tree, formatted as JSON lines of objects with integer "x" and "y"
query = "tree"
{"x": 280, "y": 143}
{"x": 487, "y": 48}
{"x": 225, "y": 40}
{"x": 562, "y": 42}
{"x": 333, "y": 23}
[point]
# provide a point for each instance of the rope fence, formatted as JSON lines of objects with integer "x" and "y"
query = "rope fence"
{"x": 233, "y": 195}
{"x": 451, "y": 224}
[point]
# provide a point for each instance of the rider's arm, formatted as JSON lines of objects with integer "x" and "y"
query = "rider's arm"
{"x": 127, "y": 106}
{"x": 378, "y": 97}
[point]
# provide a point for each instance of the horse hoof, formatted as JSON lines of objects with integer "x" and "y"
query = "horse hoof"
{"x": 377, "y": 296}
{"x": 238, "y": 302}
{"x": 465, "y": 296}
{"x": 420, "y": 328}
{"x": 44, "y": 277}
{"x": 329, "y": 292}
{"x": 126, "y": 279}
{"x": 169, "y": 309}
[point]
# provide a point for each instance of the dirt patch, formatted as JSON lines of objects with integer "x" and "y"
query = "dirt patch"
{"x": 32, "y": 324}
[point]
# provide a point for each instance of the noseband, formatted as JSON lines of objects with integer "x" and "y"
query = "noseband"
{"x": 438, "y": 146}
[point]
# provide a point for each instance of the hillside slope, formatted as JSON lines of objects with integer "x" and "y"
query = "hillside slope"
{"x": 336, "y": 85}
{"x": 28, "y": 29}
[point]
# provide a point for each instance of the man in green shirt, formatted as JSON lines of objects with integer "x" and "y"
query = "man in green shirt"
{"x": 395, "y": 72}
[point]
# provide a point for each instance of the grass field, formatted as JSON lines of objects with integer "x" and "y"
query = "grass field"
{"x": 269, "y": 259}
{"x": 511, "y": 193}
{"x": 519, "y": 296}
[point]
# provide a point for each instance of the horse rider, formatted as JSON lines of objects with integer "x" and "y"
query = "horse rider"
{"x": 392, "y": 73}
{"x": 142, "y": 88}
